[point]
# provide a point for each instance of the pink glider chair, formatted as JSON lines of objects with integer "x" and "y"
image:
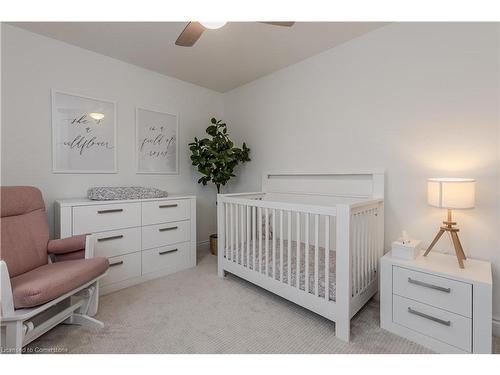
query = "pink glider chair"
{"x": 42, "y": 282}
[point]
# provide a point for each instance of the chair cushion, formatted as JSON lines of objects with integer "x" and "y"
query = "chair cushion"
{"x": 45, "y": 283}
{"x": 24, "y": 229}
{"x": 23, "y": 241}
{"x": 67, "y": 245}
{"x": 19, "y": 200}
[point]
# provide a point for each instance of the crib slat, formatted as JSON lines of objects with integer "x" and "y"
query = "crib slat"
{"x": 356, "y": 253}
{"x": 242, "y": 234}
{"x": 306, "y": 252}
{"x": 375, "y": 242}
{"x": 373, "y": 236}
{"x": 226, "y": 232}
{"x": 360, "y": 247}
{"x": 364, "y": 248}
{"x": 289, "y": 258}
{"x": 370, "y": 245}
{"x": 266, "y": 231}
{"x": 248, "y": 236}
{"x": 297, "y": 282}
{"x": 327, "y": 258}
{"x": 259, "y": 218}
{"x": 231, "y": 222}
{"x": 237, "y": 256}
{"x": 281, "y": 245}
{"x": 273, "y": 228}
{"x": 254, "y": 239}
{"x": 316, "y": 255}
{"x": 353, "y": 255}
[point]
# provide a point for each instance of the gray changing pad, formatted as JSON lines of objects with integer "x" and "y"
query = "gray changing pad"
{"x": 124, "y": 192}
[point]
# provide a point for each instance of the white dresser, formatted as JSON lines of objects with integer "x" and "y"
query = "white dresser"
{"x": 142, "y": 239}
{"x": 433, "y": 302}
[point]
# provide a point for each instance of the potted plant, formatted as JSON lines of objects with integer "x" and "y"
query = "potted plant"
{"x": 216, "y": 158}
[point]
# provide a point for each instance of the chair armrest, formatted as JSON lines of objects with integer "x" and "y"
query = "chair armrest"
{"x": 67, "y": 245}
{"x": 6, "y": 299}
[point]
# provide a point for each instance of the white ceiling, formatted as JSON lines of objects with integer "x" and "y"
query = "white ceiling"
{"x": 221, "y": 60}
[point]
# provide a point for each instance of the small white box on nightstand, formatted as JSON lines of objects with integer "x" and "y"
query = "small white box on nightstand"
{"x": 405, "y": 249}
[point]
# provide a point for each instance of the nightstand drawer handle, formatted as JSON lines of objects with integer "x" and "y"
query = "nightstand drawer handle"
{"x": 432, "y": 286}
{"x": 434, "y": 319}
{"x": 167, "y": 252}
{"x": 165, "y": 229}
{"x": 116, "y": 264}
{"x": 168, "y": 205}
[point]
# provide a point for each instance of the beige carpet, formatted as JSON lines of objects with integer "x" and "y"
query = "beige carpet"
{"x": 194, "y": 311}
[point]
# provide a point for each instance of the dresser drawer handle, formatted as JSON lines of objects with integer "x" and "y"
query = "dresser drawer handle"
{"x": 165, "y": 229}
{"x": 433, "y": 318}
{"x": 167, "y": 251}
{"x": 110, "y": 211}
{"x": 110, "y": 238}
{"x": 427, "y": 285}
{"x": 116, "y": 264}
{"x": 168, "y": 205}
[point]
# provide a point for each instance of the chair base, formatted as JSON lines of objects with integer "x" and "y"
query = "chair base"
{"x": 77, "y": 309}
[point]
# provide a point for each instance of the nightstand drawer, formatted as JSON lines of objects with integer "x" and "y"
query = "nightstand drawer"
{"x": 447, "y": 294}
{"x": 452, "y": 329}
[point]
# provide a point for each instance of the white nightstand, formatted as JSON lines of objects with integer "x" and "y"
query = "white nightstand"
{"x": 433, "y": 302}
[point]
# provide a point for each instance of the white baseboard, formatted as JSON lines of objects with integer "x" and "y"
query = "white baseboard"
{"x": 496, "y": 326}
{"x": 203, "y": 245}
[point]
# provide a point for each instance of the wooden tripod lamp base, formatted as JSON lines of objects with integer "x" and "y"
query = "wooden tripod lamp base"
{"x": 453, "y": 231}
{"x": 451, "y": 193}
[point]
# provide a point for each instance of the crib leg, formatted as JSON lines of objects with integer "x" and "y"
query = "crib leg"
{"x": 343, "y": 330}
{"x": 221, "y": 272}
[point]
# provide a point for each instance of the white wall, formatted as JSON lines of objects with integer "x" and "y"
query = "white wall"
{"x": 33, "y": 64}
{"x": 420, "y": 100}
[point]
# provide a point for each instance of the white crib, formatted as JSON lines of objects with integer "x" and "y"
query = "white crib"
{"x": 312, "y": 238}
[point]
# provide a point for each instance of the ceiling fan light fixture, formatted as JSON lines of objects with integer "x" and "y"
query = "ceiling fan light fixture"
{"x": 213, "y": 25}
{"x": 96, "y": 115}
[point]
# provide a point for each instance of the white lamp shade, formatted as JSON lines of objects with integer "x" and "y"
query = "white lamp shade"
{"x": 452, "y": 193}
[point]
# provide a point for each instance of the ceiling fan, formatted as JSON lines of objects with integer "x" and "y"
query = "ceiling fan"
{"x": 193, "y": 31}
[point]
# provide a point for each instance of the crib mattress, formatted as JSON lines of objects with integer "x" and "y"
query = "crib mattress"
{"x": 235, "y": 256}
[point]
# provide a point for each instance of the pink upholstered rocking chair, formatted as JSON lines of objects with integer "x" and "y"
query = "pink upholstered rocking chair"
{"x": 42, "y": 282}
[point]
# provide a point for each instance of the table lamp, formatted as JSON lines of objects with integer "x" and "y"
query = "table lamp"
{"x": 451, "y": 193}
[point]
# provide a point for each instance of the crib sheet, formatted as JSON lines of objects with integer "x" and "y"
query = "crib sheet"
{"x": 235, "y": 255}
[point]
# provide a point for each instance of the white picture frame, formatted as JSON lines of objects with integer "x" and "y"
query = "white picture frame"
{"x": 80, "y": 143}
{"x": 156, "y": 141}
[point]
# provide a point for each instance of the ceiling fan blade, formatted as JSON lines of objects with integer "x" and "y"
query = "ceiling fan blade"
{"x": 287, "y": 24}
{"x": 190, "y": 34}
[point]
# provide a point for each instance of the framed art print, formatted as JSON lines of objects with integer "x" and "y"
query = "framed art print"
{"x": 156, "y": 142}
{"x": 83, "y": 134}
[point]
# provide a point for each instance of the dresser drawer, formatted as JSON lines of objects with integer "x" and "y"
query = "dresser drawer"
{"x": 166, "y": 258}
{"x": 165, "y": 211}
{"x": 447, "y": 294}
{"x": 165, "y": 234}
{"x": 122, "y": 268}
{"x": 117, "y": 242}
{"x": 452, "y": 329}
{"x": 100, "y": 218}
